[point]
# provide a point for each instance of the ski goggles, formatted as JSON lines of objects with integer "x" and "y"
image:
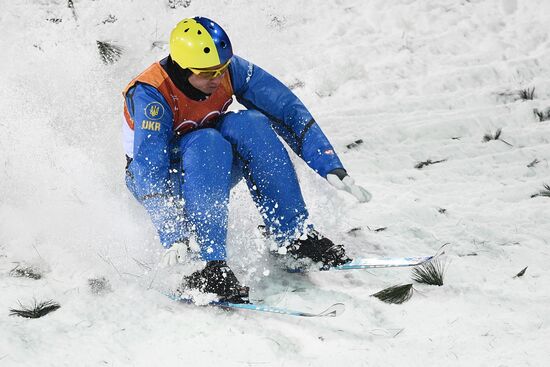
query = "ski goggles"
{"x": 211, "y": 73}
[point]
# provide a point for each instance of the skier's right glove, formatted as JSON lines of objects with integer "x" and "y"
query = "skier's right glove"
{"x": 340, "y": 179}
{"x": 175, "y": 254}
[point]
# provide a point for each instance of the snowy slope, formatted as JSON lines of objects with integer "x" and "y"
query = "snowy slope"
{"x": 415, "y": 80}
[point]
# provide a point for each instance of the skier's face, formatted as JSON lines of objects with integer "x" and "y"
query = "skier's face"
{"x": 207, "y": 86}
{"x": 208, "y": 80}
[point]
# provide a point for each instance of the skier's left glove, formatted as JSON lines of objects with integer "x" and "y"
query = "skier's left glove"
{"x": 175, "y": 254}
{"x": 340, "y": 179}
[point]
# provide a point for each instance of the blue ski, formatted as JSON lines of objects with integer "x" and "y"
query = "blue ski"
{"x": 369, "y": 263}
{"x": 335, "y": 310}
{"x": 385, "y": 262}
{"x": 375, "y": 263}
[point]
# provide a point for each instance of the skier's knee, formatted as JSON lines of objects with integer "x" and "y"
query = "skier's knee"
{"x": 246, "y": 124}
{"x": 211, "y": 140}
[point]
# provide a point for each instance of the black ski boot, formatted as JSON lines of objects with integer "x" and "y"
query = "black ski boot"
{"x": 217, "y": 278}
{"x": 317, "y": 248}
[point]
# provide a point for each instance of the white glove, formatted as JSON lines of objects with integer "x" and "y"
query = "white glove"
{"x": 342, "y": 181}
{"x": 174, "y": 255}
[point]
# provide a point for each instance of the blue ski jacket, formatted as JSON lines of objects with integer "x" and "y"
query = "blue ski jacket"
{"x": 150, "y": 142}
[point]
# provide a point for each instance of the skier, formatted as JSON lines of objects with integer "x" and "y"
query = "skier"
{"x": 185, "y": 151}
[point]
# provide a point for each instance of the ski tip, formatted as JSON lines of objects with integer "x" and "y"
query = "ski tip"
{"x": 333, "y": 311}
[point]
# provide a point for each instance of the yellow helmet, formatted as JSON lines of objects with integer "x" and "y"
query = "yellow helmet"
{"x": 199, "y": 43}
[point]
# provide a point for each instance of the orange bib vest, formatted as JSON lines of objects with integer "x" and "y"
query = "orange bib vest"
{"x": 187, "y": 113}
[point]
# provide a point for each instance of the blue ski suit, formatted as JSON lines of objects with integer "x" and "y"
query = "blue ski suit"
{"x": 184, "y": 180}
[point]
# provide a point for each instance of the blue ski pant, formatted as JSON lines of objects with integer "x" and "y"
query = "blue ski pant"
{"x": 209, "y": 162}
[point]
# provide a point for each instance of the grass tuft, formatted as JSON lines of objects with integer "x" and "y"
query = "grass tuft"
{"x": 379, "y": 229}
{"x": 296, "y": 84}
{"x": 427, "y": 163}
{"x": 109, "y": 53}
{"x": 354, "y": 144}
{"x": 545, "y": 192}
{"x": 527, "y": 94}
{"x": 35, "y": 311}
{"x": 25, "y": 272}
{"x": 488, "y": 137}
{"x": 496, "y": 136}
{"x": 173, "y": 4}
{"x": 539, "y": 114}
{"x": 110, "y": 19}
{"x": 353, "y": 231}
{"x": 521, "y": 273}
{"x": 99, "y": 285}
{"x": 533, "y": 163}
{"x": 431, "y": 272}
{"x": 397, "y": 294}
{"x": 543, "y": 115}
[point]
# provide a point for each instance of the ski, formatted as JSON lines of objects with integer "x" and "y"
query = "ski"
{"x": 369, "y": 263}
{"x": 375, "y": 263}
{"x": 333, "y": 311}
{"x": 386, "y": 262}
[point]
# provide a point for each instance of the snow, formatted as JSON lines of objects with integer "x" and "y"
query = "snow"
{"x": 415, "y": 80}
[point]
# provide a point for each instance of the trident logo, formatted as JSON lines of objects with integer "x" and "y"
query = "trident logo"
{"x": 154, "y": 111}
